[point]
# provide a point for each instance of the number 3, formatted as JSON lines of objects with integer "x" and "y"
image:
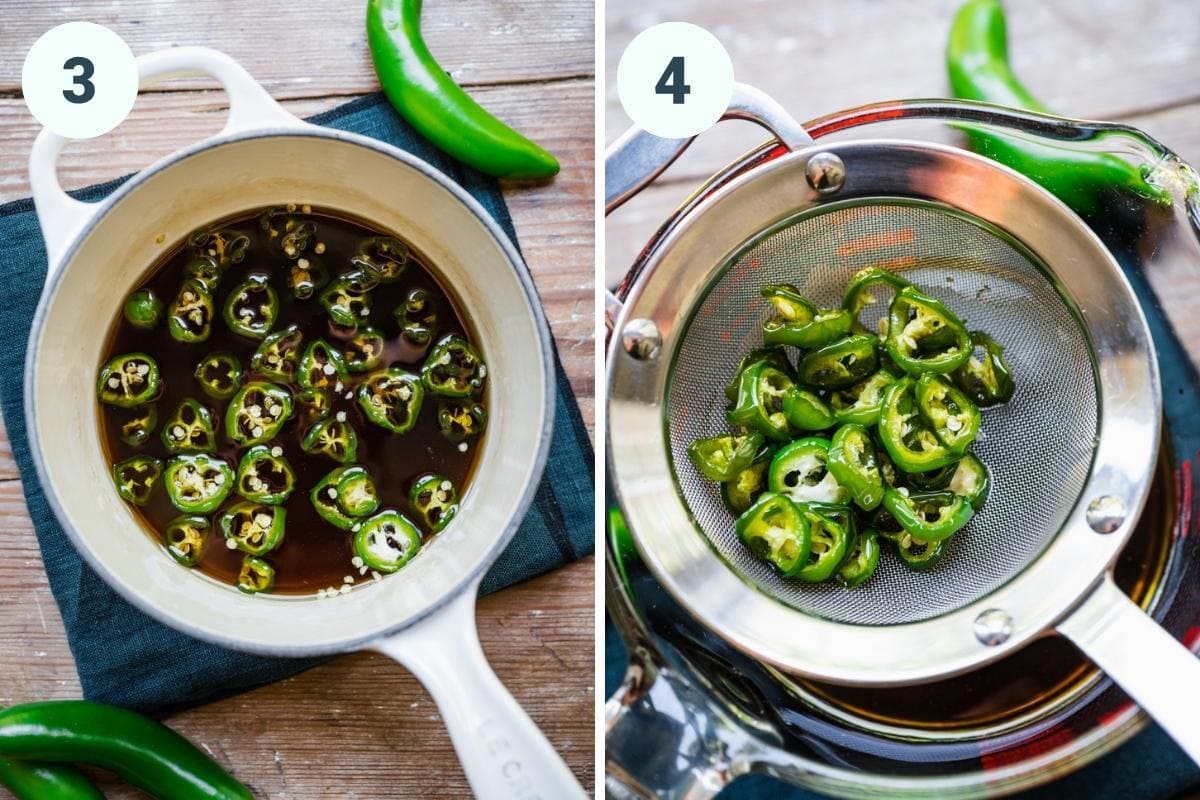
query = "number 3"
{"x": 671, "y": 82}
{"x": 87, "y": 89}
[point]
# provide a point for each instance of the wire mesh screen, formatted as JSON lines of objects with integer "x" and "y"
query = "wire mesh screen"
{"x": 1038, "y": 447}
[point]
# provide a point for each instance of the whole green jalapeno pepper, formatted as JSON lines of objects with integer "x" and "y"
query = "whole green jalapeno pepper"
{"x": 306, "y": 275}
{"x": 129, "y": 380}
{"x": 861, "y": 562}
{"x": 186, "y": 538}
{"x": 428, "y": 97}
{"x": 189, "y": 319}
{"x": 384, "y": 257}
{"x": 219, "y": 375}
{"x": 265, "y": 476}
{"x": 911, "y": 444}
{"x": 861, "y": 403}
{"x": 135, "y": 478}
{"x": 829, "y": 543}
{"x": 290, "y": 235}
{"x": 189, "y": 429}
{"x": 986, "y": 379}
{"x": 454, "y": 368}
{"x": 387, "y": 541}
{"x": 197, "y": 484}
{"x": 252, "y": 307}
{"x": 928, "y": 516}
{"x": 321, "y": 368}
{"x": 971, "y": 481}
{"x": 460, "y": 418}
{"x": 853, "y": 464}
{"x": 858, "y": 293}
{"x": 205, "y": 270}
{"x": 721, "y": 458}
{"x": 436, "y": 500}
{"x": 924, "y": 336}
{"x": 800, "y": 470}
{"x": 278, "y": 354}
{"x": 798, "y": 322}
{"x": 332, "y": 437}
{"x": 806, "y": 411}
{"x": 364, "y": 350}
{"x": 774, "y": 356}
{"x": 391, "y": 398}
{"x": 254, "y": 528}
{"x": 842, "y": 363}
{"x": 143, "y": 309}
{"x": 345, "y": 494}
{"x": 919, "y": 554}
{"x": 418, "y": 317}
{"x": 136, "y": 430}
{"x": 740, "y": 491}
{"x": 256, "y": 576}
{"x": 953, "y": 418}
{"x": 226, "y": 246}
{"x": 38, "y": 780}
{"x": 776, "y": 530}
{"x": 257, "y": 412}
{"x": 760, "y": 402}
{"x": 346, "y": 303}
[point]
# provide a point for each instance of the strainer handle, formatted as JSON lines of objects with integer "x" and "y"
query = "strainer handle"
{"x": 635, "y": 159}
{"x": 1159, "y": 673}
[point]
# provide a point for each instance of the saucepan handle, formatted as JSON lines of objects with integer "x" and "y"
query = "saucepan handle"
{"x": 502, "y": 752}
{"x": 62, "y": 217}
{"x": 1159, "y": 673}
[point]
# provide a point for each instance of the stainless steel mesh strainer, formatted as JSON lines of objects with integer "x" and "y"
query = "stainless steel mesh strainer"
{"x": 1071, "y": 456}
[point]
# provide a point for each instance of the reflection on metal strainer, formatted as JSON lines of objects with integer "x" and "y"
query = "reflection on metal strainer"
{"x": 1038, "y": 447}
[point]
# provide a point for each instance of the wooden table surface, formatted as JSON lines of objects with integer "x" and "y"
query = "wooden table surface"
{"x": 360, "y": 726}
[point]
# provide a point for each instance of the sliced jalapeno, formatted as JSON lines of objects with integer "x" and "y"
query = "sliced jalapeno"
{"x": 740, "y": 491}
{"x": 135, "y": 478}
{"x": 332, "y": 437}
{"x": 436, "y": 500}
{"x": 775, "y": 356}
{"x": 842, "y": 363}
{"x": 924, "y": 336}
{"x": 276, "y": 358}
{"x": 383, "y": 257}
{"x": 199, "y": 483}
{"x": 289, "y": 234}
{"x": 861, "y": 562}
{"x": 257, "y": 413}
{"x": 364, "y": 350}
{"x": 928, "y": 516}
{"x": 253, "y": 528}
{"x": 798, "y": 322}
{"x": 345, "y": 494}
{"x": 776, "y": 530}
{"x": 971, "y": 481}
{"x": 861, "y": 403}
{"x": 321, "y": 368}
{"x": 953, "y": 418}
{"x": 137, "y": 429}
{"x": 986, "y": 378}
{"x": 219, "y": 375}
{"x": 205, "y": 270}
{"x": 853, "y": 464}
{"x": 910, "y": 442}
{"x": 805, "y": 411}
{"x": 800, "y": 471}
{"x": 454, "y": 368}
{"x": 346, "y": 302}
{"x": 391, "y": 398}
{"x": 721, "y": 458}
{"x": 919, "y": 554}
{"x": 858, "y": 293}
{"x": 226, "y": 246}
{"x": 418, "y": 317}
{"x": 306, "y": 275}
{"x": 387, "y": 541}
{"x": 186, "y": 538}
{"x": 129, "y": 380}
{"x": 760, "y": 402}
{"x": 252, "y": 307}
{"x": 265, "y": 476}
{"x": 189, "y": 429}
{"x": 143, "y": 309}
{"x": 190, "y": 316}
{"x": 460, "y": 418}
{"x": 829, "y": 543}
{"x": 255, "y": 576}
{"x": 315, "y": 406}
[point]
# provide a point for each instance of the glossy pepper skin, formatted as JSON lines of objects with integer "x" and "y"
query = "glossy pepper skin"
{"x": 800, "y": 471}
{"x": 333, "y": 438}
{"x": 276, "y": 358}
{"x": 256, "y": 576}
{"x": 928, "y": 516}
{"x": 189, "y": 429}
{"x": 919, "y": 555}
{"x": 257, "y": 412}
{"x": 925, "y": 336}
{"x": 776, "y": 530}
{"x": 219, "y": 375}
{"x": 971, "y": 481}
{"x": 953, "y": 418}
{"x": 454, "y": 368}
{"x": 197, "y": 484}
{"x": 977, "y": 63}
{"x": 910, "y": 443}
{"x": 858, "y": 293}
{"x": 143, "y": 309}
{"x": 720, "y": 458}
{"x": 252, "y": 307}
{"x": 842, "y": 363}
{"x": 345, "y": 495}
{"x": 142, "y": 752}
{"x": 760, "y": 401}
{"x": 740, "y": 491}
{"x": 861, "y": 562}
{"x": 418, "y": 317}
{"x": 391, "y": 398}
{"x": 346, "y": 302}
{"x": 255, "y": 528}
{"x": 436, "y": 500}
{"x": 321, "y": 367}
{"x": 186, "y": 538}
{"x": 190, "y": 316}
{"x": 852, "y": 462}
{"x": 387, "y": 541}
{"x": 429, "y": 98}
{"x": 987, "y": 379}
{"x": 798, "y": 322}
{"x": 806, "y": 411}
{"x": 265, "y": 476}
{"x": 460, "y": 418}
{"x": 363, "y": 351}
{"x": 135, "y": 478}
{"x": 831, "y": 541}
{"x": 36, "y": 780}
{"x": 383, "y": 257}
{"x": 862, "y": 402}
{"x": 774, "y": 356}
{"x": 129, "y": 380}
{"x": 136, "y": 430}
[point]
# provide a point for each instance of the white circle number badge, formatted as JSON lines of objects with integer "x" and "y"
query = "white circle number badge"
{"x": 80, "y": 80}
{"x": 675, "y": 80}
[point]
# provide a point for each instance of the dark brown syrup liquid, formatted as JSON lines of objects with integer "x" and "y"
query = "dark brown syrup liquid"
{"x": 314, "y": 554}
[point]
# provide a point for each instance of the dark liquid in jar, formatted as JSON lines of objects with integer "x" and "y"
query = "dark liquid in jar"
{"x": 314, "y": 554}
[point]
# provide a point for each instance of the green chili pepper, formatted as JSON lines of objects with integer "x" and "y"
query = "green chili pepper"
{"x": 135, "y": 478}
{"x": 986, "y": 379}
{"x": 454, "y": 368}
{"x": 190, "y": 317}
{"x": 798, "y": 322}
{"x": 225, "y": 246}
{"x": 971, "y": 481}
{"x": 776, "y": 530}
{"x": 428, "y": 97}
{"x": 418, "y": 317}
{"x": 136, "y": 430}
{"x": 364, "y": 350}
{"x": 142, "y": 752}
{"x": 186, "y": 538}
{"x": 845, "y": 362}
{"x": 205, "y": 270}
{"x": 265, "y": 476}
{"x": 721, "y": 458}
{"x": 911, "y": 444}
{"x": 977, "y": 62}
{"x": 315, "y": 406}
{"x": 289, "y": 234}
{"x": 928, "y": 516}
{"x": 858, "y": 295}
{"x": 346, "y": 302}
{"x": 387, "y": 541}
{"x": 391, "y": 398}
{"x": 254, "y": 528}
{"x": 332, "y": 437}
{"x": 953, "y": 418}
{"x": 760, "y": 402}
{"x": 460, "y": 419}
{"x": 887, "y": 470}
{"x": 852, "y": 463}
{"x": 143, "y": 309}
{"x": 321, "y": 368}
{"x": 276, "y": 358}
{"x": 861, "y": 562}
{"x": 924, "y": 336}
{"x": 344, "y": 494}
{"x": 219, "y": 375}
{"x": 862, "y": 403}
{"x": 774, "y": 356}
{"x": 255, "y": 576}
{"x": 37, "y": 780}
{"x": 129, "y": 380}
{"x": 806, "y": 411}
{"x": 189, "y": 429}
{"x": 436, "y": 500}
{"x": 197, "y": 484}
{"x": 383, "y": 257}
{"x": 740, "y": 491}
{"x": 800, "y": 471}
{"x": 919, "y": 554}
{"x": 830, "y": 541}
{"x": 257, "y": 413}
{"x": 306, "y": 275}
{"x": 252, "y": 307}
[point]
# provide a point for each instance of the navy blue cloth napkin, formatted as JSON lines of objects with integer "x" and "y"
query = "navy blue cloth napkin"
{"x": 126, "y": 658}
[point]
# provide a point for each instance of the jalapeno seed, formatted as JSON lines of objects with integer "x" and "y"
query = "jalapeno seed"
{"x": 129, "y": 380}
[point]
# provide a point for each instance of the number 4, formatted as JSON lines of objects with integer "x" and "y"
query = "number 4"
{"x": 671, "y": 82}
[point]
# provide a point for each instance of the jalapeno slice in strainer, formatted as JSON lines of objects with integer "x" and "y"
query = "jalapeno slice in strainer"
{"x": 129, "y": 380}
{"x": 418, "y": 317}
{"x": 454, "y": 368}
{"x": 928, "y": 516}
{"x": 255, "y": 576}
{"x": 436, "y": 500}
{"x": 135, "y": 478}
{"x": 136, "y": 430}
{"x": 190, "y": 316}
{"x": 911, "y": 444}
{"x": 721, "y": 458}
{"x": 842, "y": 363}
{"x": 861, "y": 562}
{"x": 219, "y": 375}
{"x": 800, "y": 471}
{"x": 253, "y": 528}
{"x": 460, "y": 418}
{"x": 740, "y": 491}
{"x": 862, "y": 402}
{"x": 919, "y": 554}
{"x": 186, "y": 538}
{"x": 321, "y": 368}
{"x": 971, "y": 481}
{"x": 776, "y": 530}
{"x": 143, "y": 309}
{"x": 332, "y": 437}
{"x": 383, "y": 257}
{"x": 858, "y": 293}
{"x": 252, "y": 307}
{"x": 853, "y": 464}
{"x": 830, "y": 541}
{"x": 189, "y": 429}
{"x": 346, "y": 301}
{"x": 798, "y": 322}
{"x": 762, "y": 391}
{"x": 953, "y": 418}
{"x": 391, "y": 399}
{"x": 265, "y": 476}
{"x": 364, "y": 350}
{"x": 257, "y": 413}
{"x": 197, "y": 484}
{"x": 987, "y": 379}
{"x": 387, "y": 541}
{"x": 924, "y": 336}
{"x": 276, "y": 358}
